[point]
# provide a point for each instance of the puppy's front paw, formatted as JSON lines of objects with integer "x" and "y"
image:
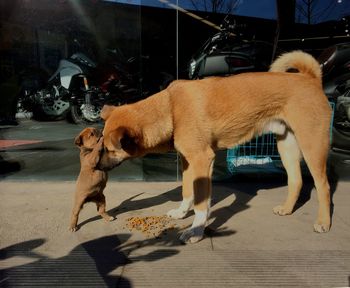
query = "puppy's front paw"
{"x": 281, "y": 210}
{"x": 110, "y": 218}
{"x": 107, "y": 217}
{"x": 73, "y": 228}
{"x": 192, "y": 235}
{"x": 176, "y": 213}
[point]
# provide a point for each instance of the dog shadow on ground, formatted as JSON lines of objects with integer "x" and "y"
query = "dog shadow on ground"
{"x": 133, "y": 204}
{"x": 243, "y": 188}
{"x": 89, "y": 264}
{"x": 243, "y": 191}
{"x": 246, "y": 189}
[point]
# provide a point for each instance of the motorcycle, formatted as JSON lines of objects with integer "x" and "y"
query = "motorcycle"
{"x": 335, "y": 63}
{"x": 76, "y": 90}
{"x": 82, "y": 84}
{"x": 227, "y": 53}
{"x": 39, "y": 97}
{"x": 79, "y": 87}
{"x": 116, "y": 83}
{"x": 51, "y": 101}
{"x": 109, "y": 83}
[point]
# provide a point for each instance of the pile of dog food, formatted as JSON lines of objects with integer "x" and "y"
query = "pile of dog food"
{"x": 151, "y": 226}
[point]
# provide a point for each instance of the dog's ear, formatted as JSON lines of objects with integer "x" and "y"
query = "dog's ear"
{"x": 106, "y": 111}
{"x": 78, "y": 140}
{"x": 126, "y": 139}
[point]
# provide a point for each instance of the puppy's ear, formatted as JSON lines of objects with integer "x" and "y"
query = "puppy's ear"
{"x": 98, "y": 133}
{"x": 106, "y": 111}
{"x": 126, "y": 139}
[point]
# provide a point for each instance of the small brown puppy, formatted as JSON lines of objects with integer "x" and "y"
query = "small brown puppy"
{"x": 91, "y": 181}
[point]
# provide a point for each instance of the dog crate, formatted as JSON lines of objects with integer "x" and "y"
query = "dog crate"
{"x": 259, "y": 155}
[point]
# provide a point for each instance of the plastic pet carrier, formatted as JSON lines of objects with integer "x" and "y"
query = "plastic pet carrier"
{"x": 258, "y": 155}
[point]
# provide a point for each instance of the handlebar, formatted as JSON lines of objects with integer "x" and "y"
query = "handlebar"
{"x": 229, "y": 24}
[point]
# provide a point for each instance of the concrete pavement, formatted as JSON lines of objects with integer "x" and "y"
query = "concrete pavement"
{"x": 245, "y": 246}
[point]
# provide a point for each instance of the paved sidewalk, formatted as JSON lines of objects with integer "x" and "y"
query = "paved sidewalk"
{"x": 246, "y": 245}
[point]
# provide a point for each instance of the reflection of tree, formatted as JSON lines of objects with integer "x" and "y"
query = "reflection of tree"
{"x": 312, "y": 10}
{"x": 216, "y": 6}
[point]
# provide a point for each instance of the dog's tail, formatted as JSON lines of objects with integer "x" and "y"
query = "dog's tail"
{"x": 297, "y": 61}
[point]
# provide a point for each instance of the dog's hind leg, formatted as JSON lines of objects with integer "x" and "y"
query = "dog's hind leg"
{"x": 78, "y": 205}
{"x": 315, "y": 147}
{"x": 201, "y": 168}
{"x": 290, "y": 155}
{"x": 100, "y": 201}
{"x": 312, "y": 135}
{"x": 187, "y": 192}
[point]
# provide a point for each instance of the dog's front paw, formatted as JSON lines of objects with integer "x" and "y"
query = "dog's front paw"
{"x": 192, "y": 235}
{"x": 176, "y": 213}
{"x": 281, "y": 210}
{"x": 321, "y": 228}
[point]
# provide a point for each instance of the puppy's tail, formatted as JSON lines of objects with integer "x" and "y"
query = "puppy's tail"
{"x": 297, "y": 61}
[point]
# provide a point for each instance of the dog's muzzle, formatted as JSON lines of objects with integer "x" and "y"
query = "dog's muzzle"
{"x": 108, "y": 167}
{"x": 107, "y": 163}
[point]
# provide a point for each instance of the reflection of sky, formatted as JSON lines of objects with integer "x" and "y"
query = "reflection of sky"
{"x": 323, "y": 10}
{"x": 261, "y": 8}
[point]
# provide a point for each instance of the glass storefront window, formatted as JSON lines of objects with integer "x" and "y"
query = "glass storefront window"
{"x": 129, "y": 50}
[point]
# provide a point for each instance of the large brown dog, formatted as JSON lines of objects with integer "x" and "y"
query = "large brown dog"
{"x": 197, "y": 117}
{"x": 91, "y": 181}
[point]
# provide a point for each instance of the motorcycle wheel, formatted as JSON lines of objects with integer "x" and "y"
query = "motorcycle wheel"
{"x": 85, "y": 113}
{"x": 49, "y": 106}
{"x": 49, "y": 113}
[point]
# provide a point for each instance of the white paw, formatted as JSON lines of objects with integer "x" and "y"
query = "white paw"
{"x": 73, "y": 228}
{"x": 110, "y": 218}
{"x": 192, "y": 235}
{"x": 177, "y": 213}
{"x": 321, "y": 228}
{"x": 280, "y": 210}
